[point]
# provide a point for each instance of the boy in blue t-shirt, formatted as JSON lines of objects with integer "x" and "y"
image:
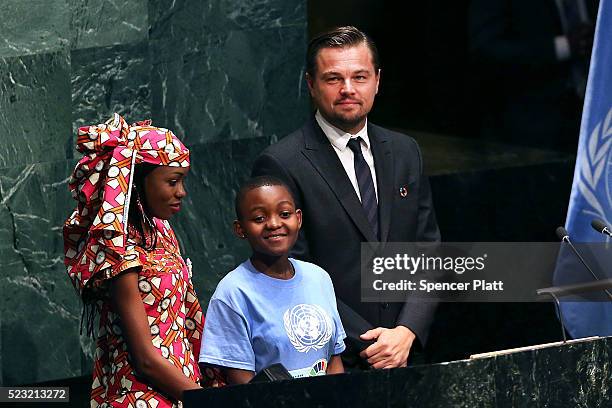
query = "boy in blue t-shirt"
{"x": 272, "y": 308}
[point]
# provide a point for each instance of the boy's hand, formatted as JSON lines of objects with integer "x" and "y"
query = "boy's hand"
{"x": 391, "y": 348}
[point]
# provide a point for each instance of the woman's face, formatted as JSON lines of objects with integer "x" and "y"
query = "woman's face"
{"x": 164, "y": 190}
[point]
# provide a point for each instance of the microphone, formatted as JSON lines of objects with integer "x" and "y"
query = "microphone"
{"x": 564, "y": 236}
{"x": 601, "y": 227}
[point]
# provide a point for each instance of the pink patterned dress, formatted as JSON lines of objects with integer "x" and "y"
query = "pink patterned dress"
{"x": 175, "y": 319}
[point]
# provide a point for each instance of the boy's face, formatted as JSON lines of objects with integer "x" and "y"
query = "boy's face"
{"x": 269, "y": 220}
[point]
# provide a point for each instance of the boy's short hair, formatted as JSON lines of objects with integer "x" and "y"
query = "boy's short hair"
{"x": 256, "y": 182}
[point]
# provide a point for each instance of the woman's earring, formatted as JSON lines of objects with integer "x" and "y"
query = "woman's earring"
{"x": 138, "y": 203}
{"x": 146, "y": 220}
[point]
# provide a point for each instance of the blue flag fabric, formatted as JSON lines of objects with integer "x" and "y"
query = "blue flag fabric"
{"x": 591, "y": 195}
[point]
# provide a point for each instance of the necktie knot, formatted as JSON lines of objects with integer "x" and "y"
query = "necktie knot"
{"x": 355, "y": 145}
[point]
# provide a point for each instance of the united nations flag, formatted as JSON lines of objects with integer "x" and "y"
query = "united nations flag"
{"x": 591, "y": 195}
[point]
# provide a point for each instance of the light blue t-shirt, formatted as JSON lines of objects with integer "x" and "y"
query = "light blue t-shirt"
{"x": 254, "y": 321}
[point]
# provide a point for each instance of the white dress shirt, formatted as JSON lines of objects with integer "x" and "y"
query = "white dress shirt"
{"x": 339, "y": 140}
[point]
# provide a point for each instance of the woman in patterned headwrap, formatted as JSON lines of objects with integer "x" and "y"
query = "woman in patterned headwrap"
{"x": 123, "y": 258}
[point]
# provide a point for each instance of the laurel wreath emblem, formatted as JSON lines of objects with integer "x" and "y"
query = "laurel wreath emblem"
{"x": 591, "y": 169}
{"x": 304, "y": 343}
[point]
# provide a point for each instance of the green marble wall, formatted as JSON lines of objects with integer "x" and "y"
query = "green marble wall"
{"x": 226, "y": 75}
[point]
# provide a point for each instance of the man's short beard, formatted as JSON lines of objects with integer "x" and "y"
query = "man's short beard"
{"x": 348, "y": 122}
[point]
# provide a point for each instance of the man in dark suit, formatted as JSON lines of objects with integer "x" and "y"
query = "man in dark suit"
{"x": 355, "y": 182}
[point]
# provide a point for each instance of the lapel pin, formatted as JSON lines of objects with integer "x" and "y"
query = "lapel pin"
{"x": 403, "y": 191}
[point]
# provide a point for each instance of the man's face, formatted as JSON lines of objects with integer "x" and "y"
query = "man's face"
{"x": 344, "y": 86}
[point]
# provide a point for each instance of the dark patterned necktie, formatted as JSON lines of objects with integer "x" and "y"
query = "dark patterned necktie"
{"x": 366, "y": 184}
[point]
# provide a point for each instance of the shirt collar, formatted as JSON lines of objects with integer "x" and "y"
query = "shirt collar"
{"x": 338, "y": 137}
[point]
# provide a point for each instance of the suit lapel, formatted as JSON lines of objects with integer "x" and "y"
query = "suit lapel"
{"x": 383, "y": 163}
{"x": 319, "y": 151}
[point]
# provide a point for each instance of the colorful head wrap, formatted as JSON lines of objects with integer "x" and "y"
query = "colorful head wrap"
{"x": 95, "y": 235}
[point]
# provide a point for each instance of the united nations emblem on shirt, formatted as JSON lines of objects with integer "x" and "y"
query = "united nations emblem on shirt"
{"x": 308, "y": 327}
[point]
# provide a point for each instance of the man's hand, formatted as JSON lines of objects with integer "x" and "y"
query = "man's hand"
{"x": 391, "y": 348}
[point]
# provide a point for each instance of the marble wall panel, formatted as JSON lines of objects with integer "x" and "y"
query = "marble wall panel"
{"x": 462, "y": 384}
{"x": 8, "y": 259}
{"x": 576, "y": 374}
{"x": 38, "y": 342}
{"x": 250, "y": 14}
{"x": 110, "y": 79}
{"x": 33, "y": 26}
{"x": 561, "y": 376}
{"x": 99, "y": 23}
{"x": 40, "y": 311}
{"x": 34, "y": 108}
{"x": 185, "y": 21}
{"x": 235, "y": 85}
{"x": 354, "y": 389}
{"x": 204, "y": 225}
{"x": 37, "y": 26}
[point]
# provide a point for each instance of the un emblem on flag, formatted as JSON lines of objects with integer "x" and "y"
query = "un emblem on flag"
{"x": 598, "y": 162}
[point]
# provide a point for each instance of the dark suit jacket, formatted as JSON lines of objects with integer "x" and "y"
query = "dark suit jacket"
{"x": 335, "y": 225}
